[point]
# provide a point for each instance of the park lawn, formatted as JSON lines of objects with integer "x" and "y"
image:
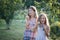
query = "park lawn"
{"x": 15, "y": 33}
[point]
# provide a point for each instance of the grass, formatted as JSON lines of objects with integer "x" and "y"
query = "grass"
{"x": 15, "y": 33}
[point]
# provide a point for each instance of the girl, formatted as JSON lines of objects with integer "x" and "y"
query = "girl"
{"x": 31, "y": 24}
{"x": 43, "y": 27}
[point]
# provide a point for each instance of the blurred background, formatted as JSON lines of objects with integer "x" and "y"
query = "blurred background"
{"x": 13, "y": 13}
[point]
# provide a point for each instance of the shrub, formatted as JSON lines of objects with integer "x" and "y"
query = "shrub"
{"x": 55, "y": 30}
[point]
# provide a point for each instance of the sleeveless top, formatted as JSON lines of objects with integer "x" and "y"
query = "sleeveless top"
{"x": 41, "y": 34}
{"x": 32, "y": 23}
{"x": 29, "y": 34}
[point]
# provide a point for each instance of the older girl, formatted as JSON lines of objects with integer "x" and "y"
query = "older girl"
{"x": 31, "y": 23}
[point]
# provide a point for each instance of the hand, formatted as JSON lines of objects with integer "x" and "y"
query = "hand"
{"x": 34, "y": 30}
{"x": 44, "y": 27}
{"x": 27, "y": 17}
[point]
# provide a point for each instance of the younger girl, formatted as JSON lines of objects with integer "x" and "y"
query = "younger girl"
{"x": 43, "y": 27}
{"x": 31, "y": 23}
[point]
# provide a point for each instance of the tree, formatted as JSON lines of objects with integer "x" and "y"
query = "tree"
{"x": 29, "y": 3}
{"x": 7, "y": 8}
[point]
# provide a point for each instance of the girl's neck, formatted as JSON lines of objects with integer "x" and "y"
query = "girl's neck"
{"x": 32, "y": 17}
{"x": 42, "y": 25}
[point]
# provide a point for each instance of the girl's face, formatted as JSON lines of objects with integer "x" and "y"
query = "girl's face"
{"x": 42, "y": 19}
{"x": 31, "y": 12}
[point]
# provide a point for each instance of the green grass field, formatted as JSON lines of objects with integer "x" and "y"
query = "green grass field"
{"x": 15, "y": 33}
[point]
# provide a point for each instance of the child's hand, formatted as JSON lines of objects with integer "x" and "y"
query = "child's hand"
{"x": 27, "y": 17}
{"x": 44, "y": 27}
{"x": 34, "y": 30}
{"x": 46, "y": 31}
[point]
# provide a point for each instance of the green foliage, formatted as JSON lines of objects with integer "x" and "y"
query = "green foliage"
{"x": 29, "y": 3}
{"x": 7, "y": 8}
{"x": 55, "y": 30}
{"x": 51, "y": 7}
{"x": 19, "y": 14}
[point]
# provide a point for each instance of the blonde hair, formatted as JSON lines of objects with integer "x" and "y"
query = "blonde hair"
{"x": 35, "y": 10}
{"x": 46, "y": 19}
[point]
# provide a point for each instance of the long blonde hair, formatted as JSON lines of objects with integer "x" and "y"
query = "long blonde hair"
{"x": 46, "y": 19}
{"x": 35, "y": 10}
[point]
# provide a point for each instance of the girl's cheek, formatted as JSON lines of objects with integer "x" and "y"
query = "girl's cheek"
{"x": 29, "y": 12}
{"x": 44, "y": 20}
{"x": 41, "y": 21}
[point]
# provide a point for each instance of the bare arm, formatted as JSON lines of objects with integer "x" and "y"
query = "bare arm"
{"x": 35, "y": 26}
{"x": 47, "y": 30}
{"x": 27, "y": 23}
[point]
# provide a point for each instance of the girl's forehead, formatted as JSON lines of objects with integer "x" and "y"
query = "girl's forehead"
{"x": 32, "y": 9}
{"x": 42, "y": 16}
{"x": 29, "y": 9}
